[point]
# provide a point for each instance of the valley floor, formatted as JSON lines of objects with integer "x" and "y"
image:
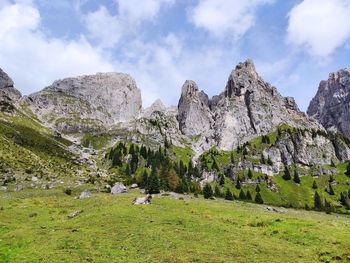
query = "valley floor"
{"x": 34, "y": 227}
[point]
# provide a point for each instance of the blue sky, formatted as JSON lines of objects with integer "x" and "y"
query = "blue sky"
{"x": 294, "y": 43}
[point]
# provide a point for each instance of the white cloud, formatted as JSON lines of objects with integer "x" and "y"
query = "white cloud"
{"x": 222, "y": 17}
{"x": 104, "y": 27}
{"x": 137, "y": 11}
{"x": 34, "y": 60}
{"x": 109, "y": 29}
{"x": 321, "y": 26}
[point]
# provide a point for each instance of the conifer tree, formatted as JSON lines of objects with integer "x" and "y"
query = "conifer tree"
{"x": 314, "y": 185}
{"x": 286, "y": 176}
{"x": 228, "y": 195}
{"x": 144, "y": 179}
{"x": 258, "y": 198}
{"x": 330, "y": 189}
{"x": 242, "y": 195}
{"x": 249, "y": 196}
{"x": 250, "y": 174}
{"x": 262, "y": 159}
{"x": 153, "y": 186}
{"x": 318, "y": 205}
{"x": 207, "y": 191}
{"x": 221, "y": 179}
{"x": 232, "y": 158}
{"x": 327, "y": 207}
{"x": 128, "y": 170}
{"x": 296, "y": 178}
{"x": 347, "y": 172}
{"x": 217, "y": 191}
{"x": 215, "y": 165}
{"x": 238, "y": 183}
{"x": 257, "y": 188}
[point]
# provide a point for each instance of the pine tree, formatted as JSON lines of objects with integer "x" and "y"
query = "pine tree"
{"x": 144, "y": 179}
{"x": 217, "y": 191}
{"x": 343, "y": 199}
{"x": 215, "y": 165}
{"x": 242, "y": 195}
{"x": 318, "y": 205}
{"x": 257, "y": 188}
{"x": 232, "y": 158}
{"x": 262, "y": 159}
{"x": 128, "y": 170}
{"x": 330, "y": 189}
{"x": 327, "y": 207}
{"x": 286, "y": 176}
{"x": 314, "y": 185}
{"x": 228, "y": 195}
{"x": 258, "y": 198}
{"x": 153, "y": 186}
{"x": 221, "y": 179}
{"x": 207, "y": 191}
{"x": 238, "y": 184}
{"x": 332, "y": 163}
{"x": 249, "y": 196}
{"x": 296, "y": 178}
{"x": 250, "y": 174}
{"x": 347, "y": 172}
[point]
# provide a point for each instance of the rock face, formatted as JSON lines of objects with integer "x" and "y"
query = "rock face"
{"x": 249, "y": 107}
{"x": 331, "y": 105}
{"x": 8, "y": 94}
{"x": 194, "y": 114}
{"x": 87, "y": 103}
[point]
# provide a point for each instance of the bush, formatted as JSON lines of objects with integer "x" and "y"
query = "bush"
{"x": 68, "y": 191}
{"x": 207, "y": 191}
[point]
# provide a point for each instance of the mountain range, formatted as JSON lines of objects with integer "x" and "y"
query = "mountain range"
{"x": 64, "y": 132}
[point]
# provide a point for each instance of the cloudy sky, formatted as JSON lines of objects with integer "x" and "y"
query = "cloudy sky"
{"x": 161, "y": 43}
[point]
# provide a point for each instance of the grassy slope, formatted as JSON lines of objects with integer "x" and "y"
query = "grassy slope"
{"x": 112, "y": 230}
{"x": 26, "y": 147}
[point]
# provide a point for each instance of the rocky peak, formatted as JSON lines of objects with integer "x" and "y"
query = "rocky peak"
{"x": 97, "y": 100}
{"x": 194, "y": 115}
{"x": 241, "y": 79}
{"x": 156, "y": 106}
{"x": 8, "y": 94}
{"x": 331, "y": 104}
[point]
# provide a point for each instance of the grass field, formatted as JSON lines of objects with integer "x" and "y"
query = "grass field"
{"x": 34, "y": 227}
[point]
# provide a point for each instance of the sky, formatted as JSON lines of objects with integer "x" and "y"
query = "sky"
{"x": 161, "y": 43}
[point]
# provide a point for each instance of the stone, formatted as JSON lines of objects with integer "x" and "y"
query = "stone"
{"x": 3, "y": 189}
{"x": 133, "y": 186}
{"x": 75, "y": 214}
{"x": 142, "y": 200}
{"x": 118, "y": 188}
{"x": 85, "y": 194}
{"x": 330, "y": 106}
{"x": 18, "y": 188}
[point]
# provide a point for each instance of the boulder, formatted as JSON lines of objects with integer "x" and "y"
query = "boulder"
{"x": 85, "y": 194}
{"x": 142, "y": 200}
{"x": 133, "y": 186}
{"x": 118, "y": 188}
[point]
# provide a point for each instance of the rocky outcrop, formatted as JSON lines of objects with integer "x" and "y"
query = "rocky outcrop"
{"x": 8, "y": 94}
{"x": 306, "y": 148}
{"x": 331, "y": 105}
{"x": 250, "y": 107}
{"x": 87, "y": 103}
{"x": 194, "y": 114}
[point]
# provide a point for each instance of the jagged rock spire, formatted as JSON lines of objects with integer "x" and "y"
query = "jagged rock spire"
{"x": 331, "y": 104}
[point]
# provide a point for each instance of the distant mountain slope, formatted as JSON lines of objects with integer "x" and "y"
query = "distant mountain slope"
{"x": 331, "y": 104}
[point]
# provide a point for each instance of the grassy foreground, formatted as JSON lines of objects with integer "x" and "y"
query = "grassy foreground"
{"x": 34, "y": 227}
